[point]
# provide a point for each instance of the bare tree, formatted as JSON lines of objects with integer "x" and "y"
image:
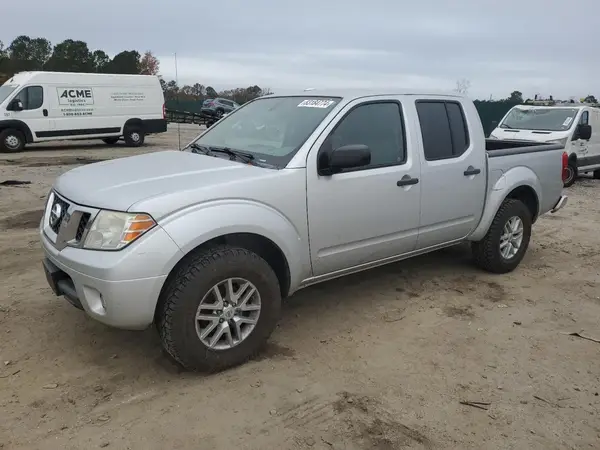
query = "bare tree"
{"x": 462, "y": 86}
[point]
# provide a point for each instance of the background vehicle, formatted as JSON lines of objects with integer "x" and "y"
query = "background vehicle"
{"x": 285, "y": 192}
{"x": 218, "y": 106}
{"x": 571, "y": 125}
{"x": 46, "y": 106}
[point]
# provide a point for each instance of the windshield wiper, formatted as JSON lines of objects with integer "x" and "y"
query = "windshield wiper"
{"x": 234, "y": 154}
{"x": 200, "y": 149}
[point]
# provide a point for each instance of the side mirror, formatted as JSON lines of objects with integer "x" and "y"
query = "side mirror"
{"x": 15, "y": 105}
{"x": 345, "y": 157}
{"x": 584, "y": 132}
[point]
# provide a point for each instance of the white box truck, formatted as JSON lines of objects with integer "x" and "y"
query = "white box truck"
{"x": 47, "y": 106}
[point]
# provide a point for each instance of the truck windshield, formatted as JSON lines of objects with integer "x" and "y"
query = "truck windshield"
{"x": 542, "y": 119}
{"x": 5, "y": 91}
{"x": 271, "y": 129}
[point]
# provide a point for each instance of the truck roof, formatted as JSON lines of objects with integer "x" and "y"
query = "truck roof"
{"x": 350, "y": 94}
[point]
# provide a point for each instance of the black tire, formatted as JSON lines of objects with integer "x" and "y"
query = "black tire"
{"x": 134, "y": 136}
{"x": 11, "y": 141}
{"x": 571, "y": 174}
{"x": 196, "y": 276}
{"x": 111, "y": 140}
{"x": 220, "y": 113}
{"x": 597, "y": 174}
{"x": 486, "y": 252}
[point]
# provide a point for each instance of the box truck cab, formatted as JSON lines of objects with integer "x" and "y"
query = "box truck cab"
{"x": 46, "y": 106}
{"x": 573, "y": 125}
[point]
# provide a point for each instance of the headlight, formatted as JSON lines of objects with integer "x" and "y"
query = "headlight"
{"x": 113, "y": 230}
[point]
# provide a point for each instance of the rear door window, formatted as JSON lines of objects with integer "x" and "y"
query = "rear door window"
{"x": 443, "y": 129}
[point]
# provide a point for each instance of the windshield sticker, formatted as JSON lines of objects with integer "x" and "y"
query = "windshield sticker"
{"x": 567, "y": 121}
{"x": 316, "y": 104}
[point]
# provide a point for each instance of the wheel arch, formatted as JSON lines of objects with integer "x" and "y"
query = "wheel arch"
{"x": 18, "y": 125}
{"x": 256, "y": 243}
{"x": 134, "y": 122}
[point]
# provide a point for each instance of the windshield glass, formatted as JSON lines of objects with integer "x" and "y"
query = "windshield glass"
{"x": 543, "y": 119}
{"x": 5, "y": 91}
{"x": 271, "y": 129}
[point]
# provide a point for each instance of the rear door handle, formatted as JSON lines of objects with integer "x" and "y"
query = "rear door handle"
{"x": 407, "y": 180}
{"x": 471, "y": 171}
{"x": 45, "y": 111}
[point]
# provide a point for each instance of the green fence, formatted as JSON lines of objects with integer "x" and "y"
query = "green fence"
{"x": 194, "y": 106}
{"x": 489, "y": 111}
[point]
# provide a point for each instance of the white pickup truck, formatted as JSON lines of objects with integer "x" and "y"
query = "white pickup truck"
{"x": 285, "y": 192}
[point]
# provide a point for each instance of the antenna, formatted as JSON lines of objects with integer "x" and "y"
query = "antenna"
{"x": 178, "y": 104}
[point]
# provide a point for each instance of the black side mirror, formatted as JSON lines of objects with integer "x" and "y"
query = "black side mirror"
{"x": 345, "y": 157}
{"x": 16, "y": 105}
{"x": 584, "y": 132}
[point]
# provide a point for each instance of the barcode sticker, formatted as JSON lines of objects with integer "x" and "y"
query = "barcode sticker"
{"x": 316, "y": 104}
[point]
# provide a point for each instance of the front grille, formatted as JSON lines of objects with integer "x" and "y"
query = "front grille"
{"x": 85, "y": 218}
{"x": 57, "y": 213}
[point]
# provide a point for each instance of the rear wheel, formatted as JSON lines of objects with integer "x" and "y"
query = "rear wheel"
{"x": 111, "y": 140}
{"x": 134, "y": 136}
{"x": 505, "y": 244}
{"x": 219, "y": 309}
{"x": 571, "y": 173}
{"x": 11, "y": 141}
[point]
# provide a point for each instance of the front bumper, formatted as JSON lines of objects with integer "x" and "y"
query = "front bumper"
{"x": 119, "y": 289}
{"x": 562, "y": 201}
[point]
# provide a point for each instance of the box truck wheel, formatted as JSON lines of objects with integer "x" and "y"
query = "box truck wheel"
{"x": 11, "y": 141}
{"x": 134, "y": 136}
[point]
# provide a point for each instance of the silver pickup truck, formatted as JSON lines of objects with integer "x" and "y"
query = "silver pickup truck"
{"x": 285, "y": 192}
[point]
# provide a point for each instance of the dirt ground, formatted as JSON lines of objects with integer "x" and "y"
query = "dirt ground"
{"x": 379, "y": 360}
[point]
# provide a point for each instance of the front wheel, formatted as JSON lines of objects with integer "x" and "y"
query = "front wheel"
{"x": 219, "y": 309}
{"x": 571, "y": 174}
{"x": 505, "y": 244}
{"x": 11, "y": 141}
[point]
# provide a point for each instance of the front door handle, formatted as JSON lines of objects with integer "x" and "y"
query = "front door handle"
{"x": 407, "y": 180}
{"x": 471, "y": 171}
{"x": 45, "y": 111}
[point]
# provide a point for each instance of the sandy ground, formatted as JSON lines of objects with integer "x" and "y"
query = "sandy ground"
{"x": 380, "y": 360}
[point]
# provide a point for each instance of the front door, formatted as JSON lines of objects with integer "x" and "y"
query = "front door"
{"x": 364, "y": 215}
{"x": 453, "y": 172}
{"x": 35, "y": 110}
{"x": 580, "y": 146}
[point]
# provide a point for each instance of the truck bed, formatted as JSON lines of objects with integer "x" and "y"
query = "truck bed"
{"x": 496, "y": 147}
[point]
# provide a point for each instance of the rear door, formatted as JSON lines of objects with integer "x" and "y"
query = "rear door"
{"x": 368, "y": 213}
{"x": 35, "y": 110}
{"x": 453, "y": 171}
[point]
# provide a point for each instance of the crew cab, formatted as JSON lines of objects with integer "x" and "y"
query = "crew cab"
{"x": 285, "y": 192}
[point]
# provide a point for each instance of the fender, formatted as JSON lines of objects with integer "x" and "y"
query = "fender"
{"x": 18, "y": 125}
{"x": 509, "y": 181}
{"x": 193, "y": 226}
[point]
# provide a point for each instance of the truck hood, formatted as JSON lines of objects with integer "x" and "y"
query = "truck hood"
{"x": 120, "y": 183}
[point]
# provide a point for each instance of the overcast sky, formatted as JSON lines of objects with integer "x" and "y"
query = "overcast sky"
{"x": 535, "y": 46}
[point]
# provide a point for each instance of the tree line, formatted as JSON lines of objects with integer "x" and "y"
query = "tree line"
{"x": 27, "y": 53}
